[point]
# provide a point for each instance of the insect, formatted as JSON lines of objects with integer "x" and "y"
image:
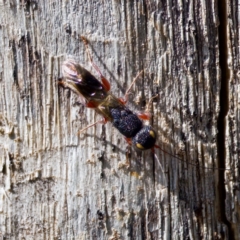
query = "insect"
{"x": 95, "y": 94}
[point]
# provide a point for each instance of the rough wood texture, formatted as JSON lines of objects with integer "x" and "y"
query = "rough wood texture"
{"x": 231, "y": 74}
{"x": 56, "y": 184}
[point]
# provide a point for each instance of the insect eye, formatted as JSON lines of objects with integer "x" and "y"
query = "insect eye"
{"x": 145, "y": 138}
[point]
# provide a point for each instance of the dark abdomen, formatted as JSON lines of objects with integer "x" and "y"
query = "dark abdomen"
{"x": 125, "y": 121}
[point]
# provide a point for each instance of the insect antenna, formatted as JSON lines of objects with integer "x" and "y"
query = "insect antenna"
{"x": 180, "y": 159}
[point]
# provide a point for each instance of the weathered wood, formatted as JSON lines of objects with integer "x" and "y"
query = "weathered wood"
{"x": 231, "y": 76}
{"x": 57, "y": 184}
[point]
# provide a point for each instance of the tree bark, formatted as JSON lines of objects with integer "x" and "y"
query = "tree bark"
{"x": 58, "y": 184}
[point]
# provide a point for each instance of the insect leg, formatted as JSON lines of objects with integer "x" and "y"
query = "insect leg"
{"x": 161, "y": 167}
{"x": 103, "y": 121}
{"x": 125, "y": 99}
{"x": 105, "y": 82}
{"x": 147, "y": 115}
{"x": 91, "y": 104}
{"x": 61, "y": 82}
{"x": 128, "y": 140}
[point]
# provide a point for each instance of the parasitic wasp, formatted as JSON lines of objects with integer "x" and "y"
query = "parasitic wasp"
{"x": 95, "y": 94}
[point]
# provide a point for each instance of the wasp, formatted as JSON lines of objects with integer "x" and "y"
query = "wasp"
{"x": 95, "y": 94}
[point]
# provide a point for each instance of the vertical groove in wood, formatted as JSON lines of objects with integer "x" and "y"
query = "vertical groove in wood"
{"x": 230, "y": 109}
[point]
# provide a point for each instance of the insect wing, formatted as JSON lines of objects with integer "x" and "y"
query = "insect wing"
{"x": 82, "y": 81}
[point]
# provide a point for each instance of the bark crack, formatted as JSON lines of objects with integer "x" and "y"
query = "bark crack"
{"x": 224, "y": 107}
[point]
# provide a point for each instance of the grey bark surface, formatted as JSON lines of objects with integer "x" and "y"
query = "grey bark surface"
{"x": 57, "y": 184}
{"x": 232, "y": 184}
